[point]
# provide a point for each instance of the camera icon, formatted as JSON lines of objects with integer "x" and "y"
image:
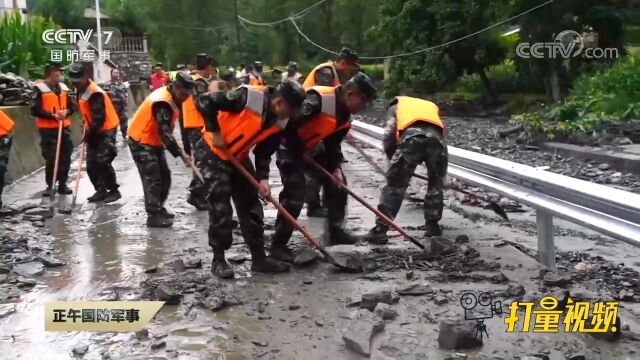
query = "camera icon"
{"x": 486, "y": 310}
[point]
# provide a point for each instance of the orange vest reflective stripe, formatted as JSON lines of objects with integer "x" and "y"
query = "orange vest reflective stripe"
{"x": 410, "y": 110}
{"x": 52, "y": 103}
{"x": 6, "y": 124}
{"x": 241, "y": 131}
{"x": 144, "y": 128}
{"x": 111, "y": 119}
{"x": 310, "y": 81}
{"x": 324, "y": 123}
{"x": 191, "y": 117}
{"x": 255, "y": 80}
{"x": 218, "y": 85}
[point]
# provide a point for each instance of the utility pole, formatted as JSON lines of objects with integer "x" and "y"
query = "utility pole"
{"x": 236, "y": 20}
{"x": 99, "y": 29}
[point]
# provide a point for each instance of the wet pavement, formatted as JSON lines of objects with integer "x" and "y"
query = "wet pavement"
{"x": 302, "y": 314}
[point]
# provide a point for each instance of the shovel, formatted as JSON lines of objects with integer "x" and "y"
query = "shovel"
{"x": 499, "y": 210}
{"x": 341, "y": 264}
{"x": 378, "y": 213}
{"x": 55, "y": 167}
{"x": 78, "y": 175}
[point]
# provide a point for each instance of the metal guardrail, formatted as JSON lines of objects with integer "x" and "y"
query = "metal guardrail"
{"x": 607, "y": 210}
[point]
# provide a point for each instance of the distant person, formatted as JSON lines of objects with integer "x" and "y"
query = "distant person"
{"x": 245, "y": 79}
{"x": 292, "y": 72}
{"x": 334, "y": 73}
{"x": 255, "y": 77}
{"x": 101, "y": 127}
{"x": 118, "y": 92}
{"x": 191, "y": 67}
{"x": 50, "y": 106}
{"x": 159, "y": 78}
{"x": 6, "y": 126}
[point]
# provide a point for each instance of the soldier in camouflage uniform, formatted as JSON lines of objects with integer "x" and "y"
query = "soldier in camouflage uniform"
{"x": 119, "y": 95}
{"x": 6, "y": 126}
{"x": 414, "y": 134}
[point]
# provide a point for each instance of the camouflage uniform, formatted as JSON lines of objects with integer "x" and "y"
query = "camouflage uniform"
{"x": 420, "y": 143}
{"x": 200, "y": 149}
{"x": 101, "y": 151}
{"x": 5, "y": 149}
{"x": 118, "y": 94}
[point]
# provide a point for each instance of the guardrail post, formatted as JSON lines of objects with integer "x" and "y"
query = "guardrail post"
{"x": 546, "y": 248}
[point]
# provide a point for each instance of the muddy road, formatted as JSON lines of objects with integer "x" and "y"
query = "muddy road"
{"x": 312, "y": 312}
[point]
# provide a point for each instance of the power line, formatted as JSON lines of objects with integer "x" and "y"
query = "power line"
{"x": 297, "y": 15}
{"x": 195, "y": 27}
{"x": 424, "y": 49}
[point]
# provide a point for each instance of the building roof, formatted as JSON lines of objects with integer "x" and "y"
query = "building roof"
{"x": 90, "y": 13}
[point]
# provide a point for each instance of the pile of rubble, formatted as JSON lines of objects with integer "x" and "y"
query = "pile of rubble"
{"x": 14, "y": 90}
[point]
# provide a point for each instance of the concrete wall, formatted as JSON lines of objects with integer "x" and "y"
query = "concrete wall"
{"x": 25, "y": 153}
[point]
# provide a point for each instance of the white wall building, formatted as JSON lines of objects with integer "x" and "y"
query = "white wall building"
{"x": 13, "y": 6}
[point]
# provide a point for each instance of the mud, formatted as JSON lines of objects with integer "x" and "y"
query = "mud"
{"x": 304, "y": 314}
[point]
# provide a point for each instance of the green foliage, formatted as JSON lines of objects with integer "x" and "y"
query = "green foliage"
{"x": 504, "y": 78}
{"x": 375, "y": 71}
{"x": 595, "y": 101}
{"x": 69, "y": 14}
{"x": 21, "y": 49}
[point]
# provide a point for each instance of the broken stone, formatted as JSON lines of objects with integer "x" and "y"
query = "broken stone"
{"x": 7, "y": 309}
{"x": 563, "y": 298}
{"x": 80, "y": 350}
{"x": 370, "y": 300}
{"x": 168, "y": 295}
{"x": 576, "y": 357}
{"x": 260, "y": 343}
{"x": 604, "y": 167}
{"x": 319, "y": 323}
{"x": 416, "y": 289}
{"x": 581, "y": 266}
{"x": 178, "y": 266}
{"x": 458, "y": 334}
{"x": 29, "y": 269}
{"x": 462, "y": 239}
{"x": 515, "y": 290}
{"x": 553, "y": 279}
{"x": 500, "y": 243}
{"x": 39, "y": 211}
{"x": 5, "y": 268}
{"x": 613, "y": 332}
{"x": 385, "y": 312}
{"x": 440, "y": 300}
{"x": 142, "y": 334}
{"x": 357, "y": 337}
{"x": 294, "y": 307}
{"x": 51, "y": 262}
{"x": 151, "y": 270}
{"x": 625, "y": 295}
{"x": 158, "y": 344}
{"x": 237, "y": 258}
{"x": 439, "y": 246}
{"x": 193, "y": 264}
{"x": 409, "y": 275}
{"x": 24, "y": 282}
{"x": 32, "y": 218}
{"x": 305, "y": 258}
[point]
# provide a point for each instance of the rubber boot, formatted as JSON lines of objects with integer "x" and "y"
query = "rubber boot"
{"x": 158, "y": 220}
{"x": 47, "y": 192}
{"x": 221, "y": 268}
{"x": 167, "y": 214}
{"x": 377, "y": 235}
{"x": 266, "y": 264}
{"x": 113, "y": 195}
{"x": 100, "y": 195}
{"x": 432, "y": 229}
{"x": 64, "y": 190}
{"x": 198, "y": 202}
{"x": 315, "y": 210}
{"x": 338, "y": 236}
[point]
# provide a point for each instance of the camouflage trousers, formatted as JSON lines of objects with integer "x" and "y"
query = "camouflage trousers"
{"x": 225, "y": 183}
{"x": 292, "y": 197}
{"x": 429, "y": 148}
{"x": 313, "y": 182}
{"x": 5, "y": 149}
{"x": 48, "y": 143}
{"x": 200, "y": 149}
{"x": 101, "y": 150}
{"x": 154, "y": 173}
{"x": 124, "y": 119}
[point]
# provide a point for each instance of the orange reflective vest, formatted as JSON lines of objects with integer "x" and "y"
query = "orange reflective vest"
{"x": 6, "y": 124}
{"x": 410, "y": 110}
{"x": 52, "y": 103}
{"x": 191, "y": 117}
{"x": 241, "y": 131}
{"x": 310, "y": 81}
{"x": 255, "y": 80}
{"x": 111, "y": 119}
{"x": 144, "y": 128}
{"x": 324, "y": 123}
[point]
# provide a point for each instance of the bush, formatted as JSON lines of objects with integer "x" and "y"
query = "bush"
{"x": 596, "y": 101}
{"x": 21, "y": 49}
{"x": 375, "y": 71}
{"x": 504, "y": 79}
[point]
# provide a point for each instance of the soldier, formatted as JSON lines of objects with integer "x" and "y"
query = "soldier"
{"x": 193, "y": 123}
{"x": 292, "y": 72}
{"x": 414, "y": 134}
{"x": 149, "y": 134}
{"x": 119, "y": 94}
{"x": 6, "y": 126}
{"x": 326, "y": 118}
{"x": 250, "y": 114}
{"x": 50, "y": 106}
{"x": 101, "y": 126}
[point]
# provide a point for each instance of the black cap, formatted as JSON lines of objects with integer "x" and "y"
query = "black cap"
{"x": 257, "y": 63}
{"x": 363, "y": 83}
{"x": 158, "y": 64}
{"x": 52, "y": 65}
{"x": 348, "y": 54}
{"x": 292, "y": 92}
{"x": 180, "y": 66}
{"x": 292, "y": 64}
{"x": 203, "y": 60}
{"x": 185, "y": 82}
{"x": 76, "y": 72}
{"x": 228, "y": 75}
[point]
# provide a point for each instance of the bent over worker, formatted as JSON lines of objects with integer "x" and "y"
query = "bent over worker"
{"x": 6, "y": 126}
{"x": 150, "y": 132}
{"x": 101, "y": 127}
{"x": 236, "y": 121}
{"x": 50, "y": 106}
{"x": 414, "y": 134}
{"x": 326, "y": 119}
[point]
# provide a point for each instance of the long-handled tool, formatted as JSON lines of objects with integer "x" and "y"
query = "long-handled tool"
{"x": 194, "y": 168}
{"x": 499, "y": 210}
{"x": 310, "y": 239}
{"x": 78, "y": 175}
{"x": 55, "y": 167}
{"x": 378, "y": 213}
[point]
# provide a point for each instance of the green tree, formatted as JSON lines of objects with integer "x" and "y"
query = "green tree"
{"x": 67, "y": 13}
